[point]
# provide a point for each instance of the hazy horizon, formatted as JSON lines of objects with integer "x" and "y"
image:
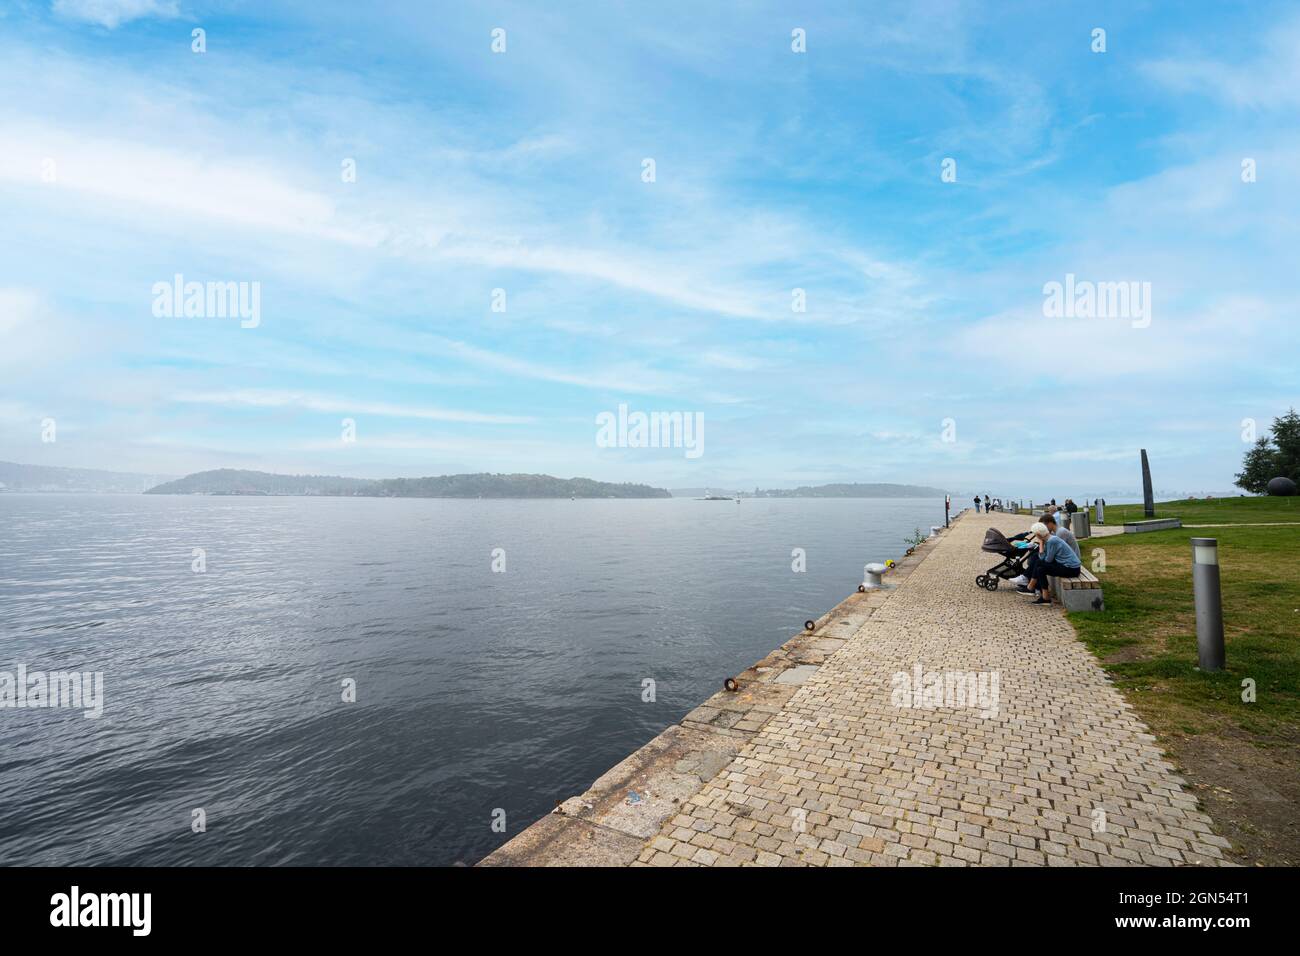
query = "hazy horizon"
{"x": 998, "y": 490}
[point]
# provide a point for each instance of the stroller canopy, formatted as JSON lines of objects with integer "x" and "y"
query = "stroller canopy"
{"x": 996, "y": 542}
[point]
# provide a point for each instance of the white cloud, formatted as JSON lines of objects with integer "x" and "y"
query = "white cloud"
{"x": 113, "y": 13}
{"x": 1176, "y": 344}
{"x": 31, "y": 333}
{"x": 18, "y": 308}
{"x": 178, "y": 159}
{"x": 131, "y": 178}
{"x": 1269, "y": 81}
{"x": 732, "y": 361}
{"x": 263, "y": 398}
{"x": 613, "y": 378}
{"x": 1091, "y": 454}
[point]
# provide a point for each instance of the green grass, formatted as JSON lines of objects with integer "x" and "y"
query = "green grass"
{"x": 1213, "y": 511}
{"x": 1146, "y": 637}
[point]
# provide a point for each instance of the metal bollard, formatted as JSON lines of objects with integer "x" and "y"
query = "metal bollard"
{"x": 1209, "y": 603}
{"x": 871, "y": 576}
{"x": 1101, "y": 511}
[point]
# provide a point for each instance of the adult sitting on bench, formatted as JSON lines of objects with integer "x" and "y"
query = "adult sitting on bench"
{"x": 1055, "y": 559}
{"x": 1065, "y": 534}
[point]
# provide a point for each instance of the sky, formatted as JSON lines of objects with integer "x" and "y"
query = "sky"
{"x": 459, "y": 244}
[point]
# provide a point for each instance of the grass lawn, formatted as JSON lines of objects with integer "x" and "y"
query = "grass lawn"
{"x": 1212, "y": 511}
{"x": 1241, "y": 758}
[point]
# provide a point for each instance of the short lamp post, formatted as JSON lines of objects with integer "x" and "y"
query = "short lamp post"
{"x": 1209, "y": 603}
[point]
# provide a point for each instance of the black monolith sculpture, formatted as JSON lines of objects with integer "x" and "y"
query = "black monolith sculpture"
{"x": 1148, "y": 501}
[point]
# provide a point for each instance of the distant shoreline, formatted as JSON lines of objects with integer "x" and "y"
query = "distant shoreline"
{"x": 54, "y": 493}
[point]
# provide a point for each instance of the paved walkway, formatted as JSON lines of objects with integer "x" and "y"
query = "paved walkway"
{"x": 850, "y": 771}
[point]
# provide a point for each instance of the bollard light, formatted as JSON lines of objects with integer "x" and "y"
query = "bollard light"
{"x": 1209, "y": 604}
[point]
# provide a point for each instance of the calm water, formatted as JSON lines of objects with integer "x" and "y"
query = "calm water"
{"x": 475, "y": 690}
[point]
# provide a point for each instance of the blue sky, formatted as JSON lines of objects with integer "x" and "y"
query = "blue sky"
{"x": 774, "y": 170}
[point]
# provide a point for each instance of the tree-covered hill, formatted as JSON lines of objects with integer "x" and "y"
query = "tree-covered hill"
{"x": 229, "y": 481}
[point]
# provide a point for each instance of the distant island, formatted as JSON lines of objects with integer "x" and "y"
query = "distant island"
{"x": 229, "y": 481}
{"x": 50, "y": 478}
{"x": 852, "y": 490}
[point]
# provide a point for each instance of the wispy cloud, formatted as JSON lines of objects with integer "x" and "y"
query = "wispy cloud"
{"x": 114, "y": 13}
{"x": 256, "y": 398}
{"x": 1268, "y": 79}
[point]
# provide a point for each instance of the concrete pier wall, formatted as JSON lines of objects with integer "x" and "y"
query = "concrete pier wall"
{"x": 602, "y": 827}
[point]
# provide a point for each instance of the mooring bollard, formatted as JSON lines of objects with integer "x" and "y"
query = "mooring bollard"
{"x": 1209, "y": 603}
{"x": 935, "y": 529}
{"x": 871, "y": 576}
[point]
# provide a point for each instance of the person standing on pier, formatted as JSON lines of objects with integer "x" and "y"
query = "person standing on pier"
{"x": 977, "y": 504}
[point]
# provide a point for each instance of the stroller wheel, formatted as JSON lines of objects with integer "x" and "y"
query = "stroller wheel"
{"x": 982, "y": 581}
{"x": 992, "y": 583}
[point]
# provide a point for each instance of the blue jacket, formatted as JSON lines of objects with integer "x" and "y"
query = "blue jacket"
{"x": 1060, "y": 552}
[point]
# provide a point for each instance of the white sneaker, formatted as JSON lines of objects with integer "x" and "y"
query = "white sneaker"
{"x": 1020, "y": 580}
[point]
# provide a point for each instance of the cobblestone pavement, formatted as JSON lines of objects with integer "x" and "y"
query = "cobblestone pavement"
{"x": 849, "y": 772}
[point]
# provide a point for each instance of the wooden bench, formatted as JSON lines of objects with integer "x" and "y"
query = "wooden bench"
{"x": 1078, "y": 594}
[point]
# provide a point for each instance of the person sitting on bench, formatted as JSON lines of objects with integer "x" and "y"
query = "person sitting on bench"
{"x": 1025, "y": 583}
{"x": 1063, "y": 532}
{"x": 1055, "y": 559}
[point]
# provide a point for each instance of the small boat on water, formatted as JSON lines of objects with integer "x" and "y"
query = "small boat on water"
{"x": 710, "y": 496}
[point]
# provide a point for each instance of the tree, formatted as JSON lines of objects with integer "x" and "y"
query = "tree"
{"x": 1278, "y": 454}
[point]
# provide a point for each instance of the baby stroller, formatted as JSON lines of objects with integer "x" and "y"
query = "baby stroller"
{"x": 1013, "y": 560}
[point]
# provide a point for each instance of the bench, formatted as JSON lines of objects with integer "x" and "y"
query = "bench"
{"x": 1078, "y": 594}
{"x": 1154, "y": 524}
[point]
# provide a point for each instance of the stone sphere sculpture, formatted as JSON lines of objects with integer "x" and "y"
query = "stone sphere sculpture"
{"x": 1281, "y": 487}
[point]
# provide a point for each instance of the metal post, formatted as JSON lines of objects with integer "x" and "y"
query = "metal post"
{"x": 1209, "y": 605}
{"x": 1101, "y": 511}
{"x": 947, "y": 503}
